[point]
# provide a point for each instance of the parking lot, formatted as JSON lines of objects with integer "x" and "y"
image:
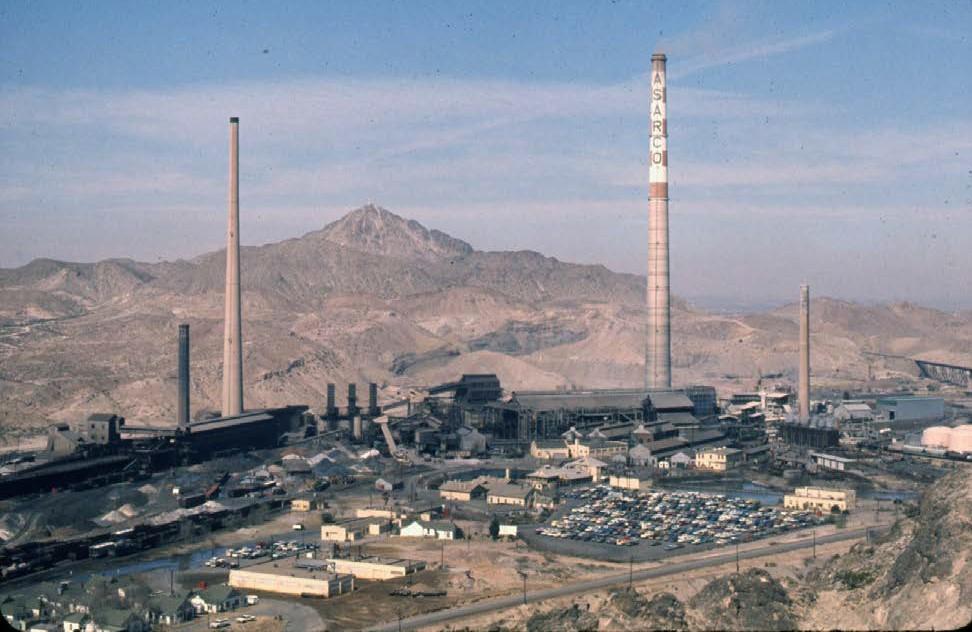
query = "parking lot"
{"x": 604, "y": 522}
{"x": 274, "y": 550}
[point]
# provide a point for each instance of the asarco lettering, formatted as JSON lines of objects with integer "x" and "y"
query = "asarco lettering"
{"x": 658, "y": 166}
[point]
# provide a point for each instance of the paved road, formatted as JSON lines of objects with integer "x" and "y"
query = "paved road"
{"x": 501, "y": 603}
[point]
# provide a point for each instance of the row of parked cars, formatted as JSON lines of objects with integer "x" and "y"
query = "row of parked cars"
{"x": 671, "y": 519}
{"x": 274, "y": 550}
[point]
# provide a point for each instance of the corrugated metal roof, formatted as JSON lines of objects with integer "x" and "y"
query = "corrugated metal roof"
{"x": 580, "y": 400}
{"x": 670, "y": 400}
{"x": 679, "y": 419}
{"x": 504, "y": 490}
{"x": 665, "y": 445}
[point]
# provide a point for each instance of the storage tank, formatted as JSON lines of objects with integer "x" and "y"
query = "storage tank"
{"x": 937, "y": 436}
{"x": 961, "y": 440}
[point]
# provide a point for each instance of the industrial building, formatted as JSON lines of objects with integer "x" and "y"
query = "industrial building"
{"x": 569, "y": 475}
{"x": 350, "y": 531}
{"x": 544, "y": 415}
{"x": 509, "y": 494}
{"x": 911, "y": 408}
{"x": 817, "y": 433}
{"x": 374, "y": 567}
{"x": 302, "y": 504}
{"x": 830, "y": 461}
{"x": 719, "y": 459}
{"x": 821, "y": 499}
{"x": 463, "y": 491}
{"x": 300, "y": 577}
{"x": 630, "y": 482}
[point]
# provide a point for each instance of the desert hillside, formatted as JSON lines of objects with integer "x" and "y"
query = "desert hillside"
{"x": 376, "y": 297}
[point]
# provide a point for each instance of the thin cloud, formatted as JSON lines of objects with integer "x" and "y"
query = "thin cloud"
{"x": 746, "y": 52}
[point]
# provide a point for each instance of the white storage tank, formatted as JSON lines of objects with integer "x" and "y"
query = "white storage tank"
{"x": 937, "y": 436}
{"x": 961, "y": 440}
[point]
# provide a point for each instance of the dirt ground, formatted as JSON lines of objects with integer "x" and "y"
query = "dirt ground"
{"x": 480, "y": 569}
{"x": 786, "y": 567}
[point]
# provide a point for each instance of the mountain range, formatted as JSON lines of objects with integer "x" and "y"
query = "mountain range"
{"x": 376, "y": 297}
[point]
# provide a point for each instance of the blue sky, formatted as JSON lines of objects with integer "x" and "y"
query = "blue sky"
{"x": 808, "y": 141}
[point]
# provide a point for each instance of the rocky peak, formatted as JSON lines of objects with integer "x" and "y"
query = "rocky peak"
{"x": 375, "y": 230}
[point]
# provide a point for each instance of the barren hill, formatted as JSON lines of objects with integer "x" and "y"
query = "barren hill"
{"x": 376, "y": 297}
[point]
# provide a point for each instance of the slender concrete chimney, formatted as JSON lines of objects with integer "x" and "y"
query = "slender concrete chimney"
{"x": 182, "y": 410}
{"x": 232, "y": 333}
{"x": 331, "y": 409}
{"x": 658, "y": 363}
{"x": 804, "y": 389}
{"x": 352, "y": 400}
{"x": 373, "y": 399}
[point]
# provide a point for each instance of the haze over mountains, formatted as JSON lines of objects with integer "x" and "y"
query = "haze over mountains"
{"x": 375, "y": 297}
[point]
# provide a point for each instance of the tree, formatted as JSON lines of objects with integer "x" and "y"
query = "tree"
{"x": 494, "y": 527}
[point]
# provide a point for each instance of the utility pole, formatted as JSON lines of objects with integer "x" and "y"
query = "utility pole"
{"x": 523, "y": 576}
{"x": 631, "y": 573}
{"x": 442, "y": 556}
{"x": 814, "y": 544}
{"x": 737, "y": 558}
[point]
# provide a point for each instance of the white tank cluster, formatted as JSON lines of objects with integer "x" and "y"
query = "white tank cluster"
{"x": 958, "y": 439}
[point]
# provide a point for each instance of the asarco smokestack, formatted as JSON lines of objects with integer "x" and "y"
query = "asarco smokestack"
{"x": 182, "y": 409}
{"x": 232, "y": 333}
{"x": 804, "y": 387}
{"x": 658, "y": 363}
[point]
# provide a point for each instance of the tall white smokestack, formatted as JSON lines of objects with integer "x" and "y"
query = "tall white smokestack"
{"x": 232, "y": 332}
{"x": 659, "y": 348}
{"x": 804, "y": 388}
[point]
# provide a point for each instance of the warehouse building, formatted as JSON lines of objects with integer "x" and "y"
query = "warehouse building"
{"x": 570, "y": 475}
{"x": 830, "y": 461}
{"x": 374, "y": 567}
{"x": 463, "y": 491}
{"x": 596, "y": 448}
{"x": 821, "y": 498}
{"x": 305, "y": 578}
{"x": 303, "y": 504}
{"x": 719, "y": 459}
{"x": 549, "y": 449}
{"x": 911, "y": 408}
{"x": 509, "y": 494}
{"x": 631, "y": 482}
{"x": 350, "y": 531}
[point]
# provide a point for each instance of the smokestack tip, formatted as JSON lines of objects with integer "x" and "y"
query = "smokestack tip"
{"x": 234, "y": 119}
{"x": 659, "y": 57}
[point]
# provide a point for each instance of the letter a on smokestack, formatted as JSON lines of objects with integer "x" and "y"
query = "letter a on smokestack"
{"x": 658, "y": 363}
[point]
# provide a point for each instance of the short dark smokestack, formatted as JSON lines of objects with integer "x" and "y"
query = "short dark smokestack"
{"x": 373, "y": 399}
{"x": 352, "y": 399}
{"x": 331, "y": 410}
{"x": 182, "y": 409}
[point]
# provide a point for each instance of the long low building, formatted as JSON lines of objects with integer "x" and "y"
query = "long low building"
{"x": 631, "y": 482}
{"x": 821, "y": 498}
{"x": 379, "y": 568}
{"x": 309, "y": 578}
